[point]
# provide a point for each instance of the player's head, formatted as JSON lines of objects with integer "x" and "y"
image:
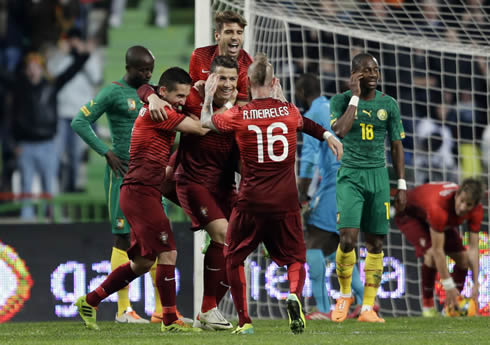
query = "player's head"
{"x": 307, "y": 88}
{"x": 229, "y": 27}
{"x": 367, "y": 65}
{"x": 139, "y": 65}
{"x": 226, "y": 67}
{"x": 174, "y": 86}
{"x": 34, "y": 67}
{"x": 468, "y": 196}
{"x": 260, "y": 72}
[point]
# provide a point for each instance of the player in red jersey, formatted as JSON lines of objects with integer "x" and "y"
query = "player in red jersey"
{"x": 267, "y": 209}
{"x": 430, "y": 221}
{"x": 151, "y": 235}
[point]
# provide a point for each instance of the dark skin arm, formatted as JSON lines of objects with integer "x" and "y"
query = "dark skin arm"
{"x": 398, "y": 158}
{"x": 117, "y": 165}
{"x": 343, "y": 124}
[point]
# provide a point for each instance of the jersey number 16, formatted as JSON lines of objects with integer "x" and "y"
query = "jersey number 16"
{"x": 271, "y": 139}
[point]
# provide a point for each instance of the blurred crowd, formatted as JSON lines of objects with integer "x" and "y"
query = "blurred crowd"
{"x": 443, "y": 94}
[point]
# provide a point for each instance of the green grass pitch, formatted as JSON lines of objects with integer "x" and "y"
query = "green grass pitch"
{"x": 413, "y": 331}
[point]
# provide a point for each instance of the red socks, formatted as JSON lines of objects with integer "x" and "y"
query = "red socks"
{"x": 238, "y": 290}
{"x": 165, "y": 282}
{"x": 214, "y": 276}
{"x": 296, "y": 276}
{"x": 459, "y": 277}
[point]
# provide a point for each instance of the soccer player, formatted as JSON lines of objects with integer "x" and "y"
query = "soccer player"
{"x": 119, "y": 101}
{"x": 205, "y": 184}
{"x": 151, "y": 235}
{"x": 322, "y": 236}
{"x": 361, "y": 117}
{"x": 267, "y": 209}
{"x": 430, "y": 222}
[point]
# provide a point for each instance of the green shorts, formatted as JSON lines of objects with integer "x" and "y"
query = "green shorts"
{"x": 112, "y": 185}
{"x": 363, "y": 199}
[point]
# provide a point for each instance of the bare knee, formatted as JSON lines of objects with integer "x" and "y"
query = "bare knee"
{"x": 217, "y": 230}
{"x": 167, "y": 258}
{"x": 348, "y": 239}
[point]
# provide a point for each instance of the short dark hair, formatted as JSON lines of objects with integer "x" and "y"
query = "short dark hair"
{"x": 358, "y": 60}
{"x": 224, "y": 61}
{"x": 309, "y": 83}
{"x": 228, "y": 17}
{"x": 473, "y": 188}
{"x": 173, "y": 76}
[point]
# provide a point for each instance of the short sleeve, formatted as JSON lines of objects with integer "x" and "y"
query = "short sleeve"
{"x": 395, "y": 126}
{"x": 227, "y": 121}
{"x": 174, "y": 118}
{"x": 337, "y": 107}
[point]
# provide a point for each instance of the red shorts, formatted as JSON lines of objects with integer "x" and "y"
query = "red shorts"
{"x": 151, "y": 233}
{"x": 282, "y": 235}
{"x": 417, "y": 233}
{"x": 203, "y": 206}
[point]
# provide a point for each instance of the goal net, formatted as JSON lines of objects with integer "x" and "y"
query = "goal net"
{"x": 434, "y": 58}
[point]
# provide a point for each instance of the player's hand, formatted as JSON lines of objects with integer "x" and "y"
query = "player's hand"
{"x": 452, "y": 298}
{"x": 117, "y": 165}
{"x": 211, "y": 85}
{"x": 354, "y": 83}
{"x": 277, "y": 92}
{"x": 156, "y": 106}
{"x": 400, "y": 200}
{"x": 475, "y": 291}
{"x": 336, "y": 146}
{"x": 199, "y": 86}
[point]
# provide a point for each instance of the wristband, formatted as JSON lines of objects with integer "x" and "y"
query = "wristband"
{"x": 354, "y": 100}
{"x": 228, "y": 105}
{"x": 402, "y": 184}
{"x": 327, "y": 135}
{"x": 448, "y": 284}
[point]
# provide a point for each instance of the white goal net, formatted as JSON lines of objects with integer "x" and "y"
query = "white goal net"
{"x": 434, "y": 57}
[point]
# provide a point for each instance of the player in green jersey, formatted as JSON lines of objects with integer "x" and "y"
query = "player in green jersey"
{"x": 361, "y": 117}
{"x": 120, "y": 102}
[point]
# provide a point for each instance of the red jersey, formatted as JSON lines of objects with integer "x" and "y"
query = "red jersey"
{"x": 150, "y": 148}
{"x": 209, "y": 160}
{"x": 265, "y": 131}
{"x": 200, "y": 64}
{"x": 434, "y": 203}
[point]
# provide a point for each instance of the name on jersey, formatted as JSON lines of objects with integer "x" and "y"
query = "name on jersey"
{"x": 265, "y": 113}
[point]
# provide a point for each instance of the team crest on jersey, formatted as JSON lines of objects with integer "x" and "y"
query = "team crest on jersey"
{"x": 204, "y": 211}
{"x": 338, "y": 217}
{"x": 120, "y": 223}
{"x": 131, "y": 104}
{"x": 163, "y": 237}
{"x": 382, "y": 114}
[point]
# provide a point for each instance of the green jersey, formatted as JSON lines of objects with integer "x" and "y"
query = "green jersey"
{"x": 364, "y": 144}
{"x": 121, "y": 104}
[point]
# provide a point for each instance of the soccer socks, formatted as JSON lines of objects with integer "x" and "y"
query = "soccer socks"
{"x": 153, "y": 272}
{"x": 214, "y": 275}
{"x": 459, "y": 277}
{"x": 428, "y": 281}
{"x": 317, "y": 267}
{"x": 373, "y": 269}
{"x": 357, "y": 285}
{"x": 345, "y": 264}
{"x": 296, "y": 276}
{"x": 236, "y": 277}
{"x": 118, "y": 279}
{"x": 120, "y": 257}
{"x": 165, "y": 281}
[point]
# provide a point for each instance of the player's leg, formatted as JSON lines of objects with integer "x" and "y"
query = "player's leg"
{"x": 454, "y": 248}
{"x": 241, "y": 240}
{"x": 428, "y": 281}
{"x": 120, "y": 230}
{"x": 375, "y": 222}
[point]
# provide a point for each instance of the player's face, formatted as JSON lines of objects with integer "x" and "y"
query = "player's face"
{"x": 140, "y": 73}
{"x": 370, "y": 74}
{"x": 227, "y": 83}
{"x": 463, "y": 204}
{"x": 229, "y": 39}
{"x": 177, "y": 96}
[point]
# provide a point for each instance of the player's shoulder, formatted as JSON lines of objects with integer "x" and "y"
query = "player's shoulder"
{"x": 245, "y": 57}
{"x": 384, "y": 97}
{"x": 205, "y": 51}
{"x": 341, "y": 97}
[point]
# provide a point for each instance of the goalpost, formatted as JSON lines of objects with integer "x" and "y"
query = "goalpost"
{"x": 434, "y": 59}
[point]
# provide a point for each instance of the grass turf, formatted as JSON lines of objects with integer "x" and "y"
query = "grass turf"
{"x": 413, "y": 331}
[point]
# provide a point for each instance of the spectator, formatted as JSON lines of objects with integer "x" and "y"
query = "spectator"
{"x": 159, "y": 6}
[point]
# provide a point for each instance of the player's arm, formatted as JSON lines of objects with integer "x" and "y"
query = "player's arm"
{"x": 439, "y": 256}
{"x": 343, "y": 124}
{"x": 148, "y": 94}
{"x": 398, "y": 158}
{"x": 192, "y": 126}
{"x": 474, "y": 258}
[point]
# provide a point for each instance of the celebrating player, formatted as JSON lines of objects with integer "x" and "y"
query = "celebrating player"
{"x": 322, "y": 236}
{"x": 430, "y": 221}
{"x": 361, "y": 117}
{"x": 151, "y": 235}
{"x": 119, "y": 101}
{"x": 267, "y": 208}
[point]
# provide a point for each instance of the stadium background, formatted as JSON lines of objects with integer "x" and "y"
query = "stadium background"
{"x": 46, "y": 249}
